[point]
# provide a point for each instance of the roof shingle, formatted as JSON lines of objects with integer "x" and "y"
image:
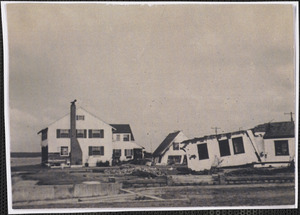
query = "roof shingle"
{"x": 278, "y": 130}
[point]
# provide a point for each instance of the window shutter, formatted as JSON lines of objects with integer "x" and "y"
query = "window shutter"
{"x": 84, "y": 133}
{"x": 90, "y": 133}
{"x": 90, "y": 150}
{"x": 101, "y": 150}
{"x": 57, "y": 133}
{"x": 102, "y": 133}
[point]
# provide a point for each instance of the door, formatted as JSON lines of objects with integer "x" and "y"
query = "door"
{"x": 137, "y": 154}
{"x": 44, "y": 154}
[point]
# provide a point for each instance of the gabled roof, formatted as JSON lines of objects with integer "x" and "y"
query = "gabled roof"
{"x": 121, "y": 129}
{"x": 68, "y": 114}
{"x": 165, "y": 143}
{"x": 276, "y": 129}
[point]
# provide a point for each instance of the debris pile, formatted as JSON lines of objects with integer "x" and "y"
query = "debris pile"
{"x": 127, "y": 170}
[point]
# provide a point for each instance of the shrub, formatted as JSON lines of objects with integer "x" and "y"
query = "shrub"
{"x": 102, "y": 164}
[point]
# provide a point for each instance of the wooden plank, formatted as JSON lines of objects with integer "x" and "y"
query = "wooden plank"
{"x": 145, "y": 195}
{"x": 258, "y": 178}
{"x": 146, "y": 181}
{"x": 112, "y": 198}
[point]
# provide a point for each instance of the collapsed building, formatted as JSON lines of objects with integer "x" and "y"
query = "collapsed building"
{"x": 269, "y": 144}
{"x": 168, "y": 152}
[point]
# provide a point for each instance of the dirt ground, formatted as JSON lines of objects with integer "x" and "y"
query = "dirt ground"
{"x": 167, "y": 196}
{"x": 191, "y": 196}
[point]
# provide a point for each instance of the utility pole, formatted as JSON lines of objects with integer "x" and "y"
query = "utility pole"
{"x": 291, "y": 113}
{"x": 216, "y": 129}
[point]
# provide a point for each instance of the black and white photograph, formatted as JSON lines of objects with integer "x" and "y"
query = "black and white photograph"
{"x": 136, "y": 106}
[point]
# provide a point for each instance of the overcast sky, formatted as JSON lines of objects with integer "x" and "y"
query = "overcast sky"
{"x": 159, "y": 68}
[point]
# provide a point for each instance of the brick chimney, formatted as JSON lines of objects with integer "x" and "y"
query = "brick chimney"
{"x": 76, "y": 153}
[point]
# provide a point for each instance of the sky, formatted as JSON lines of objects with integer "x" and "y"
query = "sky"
{"x": 159, "y": 68}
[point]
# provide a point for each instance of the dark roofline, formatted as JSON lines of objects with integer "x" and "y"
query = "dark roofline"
{"x": 77, "y": 108}
{"x": 41, "y": 131}
{"x": 279, "y": 136}
{"x": 165, "y": 143}
{"x": 122, "y": 129}
{"x": 213, "y": 136}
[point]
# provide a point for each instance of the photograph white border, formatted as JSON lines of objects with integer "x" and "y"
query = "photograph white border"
{"x": 76, "y": 210}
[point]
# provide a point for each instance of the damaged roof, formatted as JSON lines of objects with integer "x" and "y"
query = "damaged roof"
{"x": 213, "y": 136}
{"x": 122, "y": 128}
{"x": 277, "y": 129}
{"x": 165, "y": 143}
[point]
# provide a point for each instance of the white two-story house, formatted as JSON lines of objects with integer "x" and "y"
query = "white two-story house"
{"x": 81, "y": 138}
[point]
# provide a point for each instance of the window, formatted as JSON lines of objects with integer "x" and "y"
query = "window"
{"x": 202, "y": 151}
{"x": 96, "y": 133}
{"x": 117, "y": 153}
{"x": 126, "y": 137}
{"x": 238, "y": 145}
{"x": 81, "y": 133}
{"x": 175, "y": 146}
{"x": 64, "y": 151}
{"x": 117, "y": 137}
{"x": 79, "y": 117}
{"x": 281, "y": 147}
{"x": 96, "y": 150}
{"x": 62, "y": 133}
{"x": 174, "y": 159}
{"x": 224, "y": 148}
{"x": 128, "y": 153}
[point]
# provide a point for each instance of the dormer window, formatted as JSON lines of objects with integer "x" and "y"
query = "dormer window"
{"x": 126, "y": 137}
{"x": 79, "y": 117}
